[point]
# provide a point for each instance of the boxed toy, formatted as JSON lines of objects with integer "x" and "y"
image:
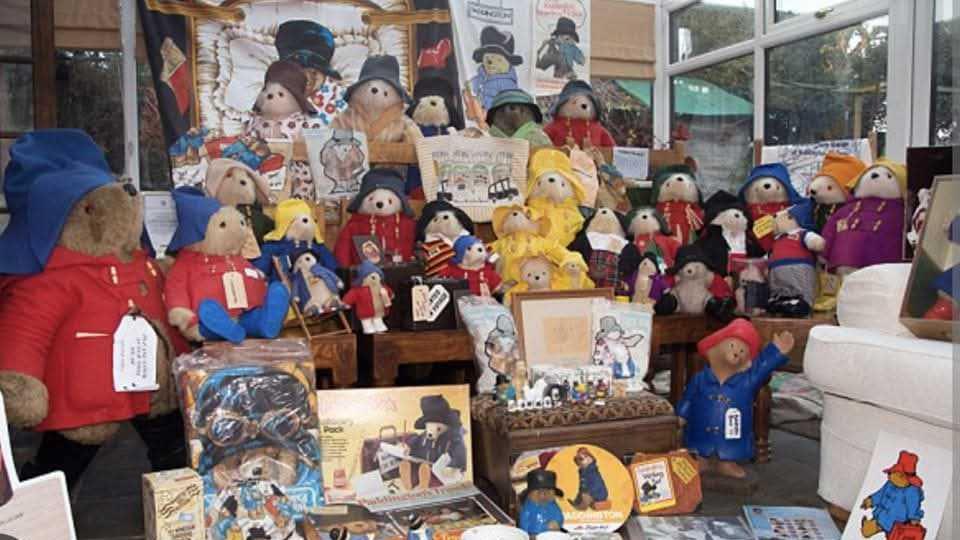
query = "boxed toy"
{"x": 173, "y": 505}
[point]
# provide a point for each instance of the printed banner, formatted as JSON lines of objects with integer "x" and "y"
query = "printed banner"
{"x": 561, "y": 35}
{"x": 494, "y": 51}
{"x": 804, "y": 160}
{"x": 338, "y": 160}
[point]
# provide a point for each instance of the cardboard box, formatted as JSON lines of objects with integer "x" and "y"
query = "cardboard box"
{"x": 173, "y": 505}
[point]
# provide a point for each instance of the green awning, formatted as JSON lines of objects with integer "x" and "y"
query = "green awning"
{"x": 694, "y": 97}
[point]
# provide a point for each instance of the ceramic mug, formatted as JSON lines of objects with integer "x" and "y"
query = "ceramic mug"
{"x": 495, "y": 532}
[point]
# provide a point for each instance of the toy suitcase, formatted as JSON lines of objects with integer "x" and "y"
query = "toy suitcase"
{"x": 374, "y": 458}
{"x": 907, "y": 531}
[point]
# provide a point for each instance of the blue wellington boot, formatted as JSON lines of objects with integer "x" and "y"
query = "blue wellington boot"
{"x": 216, "y": 323}
{"x": 267, "y": 320}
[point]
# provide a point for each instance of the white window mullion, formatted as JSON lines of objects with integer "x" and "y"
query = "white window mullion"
{"x": 900, "y": 45}
{"x": 920, "y": 111}
{"x": 661, "y": 86}
{"x": 764, "y": 18}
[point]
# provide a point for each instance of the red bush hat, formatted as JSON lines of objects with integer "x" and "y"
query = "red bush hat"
{"x": 741, "y": 329}
{"x": 907, "y": 464}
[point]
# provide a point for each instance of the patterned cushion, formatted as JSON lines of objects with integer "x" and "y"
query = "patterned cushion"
{"x": 486, "y": 411}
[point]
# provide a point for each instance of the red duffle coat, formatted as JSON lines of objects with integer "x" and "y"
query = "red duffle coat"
{"x": 196, "y": 276}
{"x": 397, "y": 232}
{"x": 57, "y": 326}
{"x": 360, "y": 298}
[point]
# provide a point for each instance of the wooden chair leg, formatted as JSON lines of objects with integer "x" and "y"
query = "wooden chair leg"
{"x": 761, "y": 423}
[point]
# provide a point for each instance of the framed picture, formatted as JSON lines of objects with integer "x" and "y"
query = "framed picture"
{"x": 930, "y": 301}
{"x": 555, "y": 326}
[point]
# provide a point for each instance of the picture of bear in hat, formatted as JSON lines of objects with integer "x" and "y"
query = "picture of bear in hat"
{"x": 496, "y": 60}
{"x": 898, "y": 502}
{"x": 561, "y": 50}
{"x": 612, "y": 348}
{"x": 311, "y": 46}
{"x": 440, "y": 440}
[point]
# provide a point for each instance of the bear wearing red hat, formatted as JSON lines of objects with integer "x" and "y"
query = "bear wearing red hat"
{"x": 898, "y": 501}
{"x": 718, "y": 402}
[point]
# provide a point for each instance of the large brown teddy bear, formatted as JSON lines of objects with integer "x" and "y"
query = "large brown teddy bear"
{"x": 73, "y": 271}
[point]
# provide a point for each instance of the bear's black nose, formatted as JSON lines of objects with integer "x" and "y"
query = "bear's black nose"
{"x": 379, "y": 204}
{"x": 131, "y": 191}
{"x": 767, "y": 185}
{"x": 551, "y": 180}
{"x": 433, "y": 103}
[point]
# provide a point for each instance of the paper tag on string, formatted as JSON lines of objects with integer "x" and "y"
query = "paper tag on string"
{"x": 763, "y": 226}
{"x": 420, "y": 300}
{"x": 683, "y": 469}
{"x": 134, "y": 355}
{"x": 731, "y": 422}
{"x": 439, "y": 298}
{"x": 235, "y": 290}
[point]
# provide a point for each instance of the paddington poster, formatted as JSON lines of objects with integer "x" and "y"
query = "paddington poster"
{"x": 561, "y": 36}
{"x": 242, "y": 79}
{"x": 395, "y": 445}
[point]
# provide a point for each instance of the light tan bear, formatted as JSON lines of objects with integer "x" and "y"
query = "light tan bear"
{"x": 376, "y": 103}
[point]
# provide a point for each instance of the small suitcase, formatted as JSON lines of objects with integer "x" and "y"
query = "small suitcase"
{"x": 446, "y": 316}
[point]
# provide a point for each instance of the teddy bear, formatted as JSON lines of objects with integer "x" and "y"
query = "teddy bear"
{"x": 534, "y": 273}
{"x": 572, "y": 273}
{"x": 282, "y": 110}
{"x": 830, "y": 187}
{"x": 470, "y": 262}
{"x": 73, "y": 273}
{"x": 678, "y": 198}
{"x": 376, "y": 103}
{"x": 370, "y": 298}
{"x": 612, "y": 188}
{"x": 235, "y": 184}
{"x": 315, "y": 288}
{"x": 380, "y": 209}
{"x": 440, "y": 438}
{"x": 651, "y": 234}
{"x": 717, "y": 403}
{"x": 609, "y": 253}
{"x": 648, "y": 284}
{"x": 539, "y": 511}
{"x": 727, "y": 237}
{"x": 433, "y": 110}
{"x": 496, "y": 63}
{"x": 295, "y": 230}
{"x": 578, "y": 118}
{"x": 792, "y": 261}
{"x": 312, "y": 46}
{"x": 767, "y": 191}
{"x": 752, "y": 292}
{"x": 868, "y": 229}
{"x": 521, "y": 231}
{"x": 514, "y": 114}
{"x": 438, "y": 228}
{"x": 554, "y": 189}
{"x": 212, "y": 292}
{"x": 696, "y": 286}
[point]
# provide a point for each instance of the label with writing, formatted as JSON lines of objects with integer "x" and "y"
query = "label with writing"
{"x": 683, "y": 469}
{"x": 235, "y": 290}
{"x": 420, "y": 300}
{"x": 439, "y": 299}
{"x": 731, "y": 422}
{"x": 763, "y": 226}
{"x": 134, "y": 355}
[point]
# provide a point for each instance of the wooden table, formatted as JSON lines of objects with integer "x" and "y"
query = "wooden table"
{"x": 395, "y": 348}
{"x": 334, "y": 352}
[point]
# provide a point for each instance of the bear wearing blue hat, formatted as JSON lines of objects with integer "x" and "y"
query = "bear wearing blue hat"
{"x": 74, "y": 274}
{"x": 767, "y": 191}
{"x": 213, "y": 292}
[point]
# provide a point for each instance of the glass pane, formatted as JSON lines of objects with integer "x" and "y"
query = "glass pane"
{"x": 712, "y": 109}
{"x": 827, "y": 87}
{"x": 16, "y": 97}
{"x": 629, "y": 105}
{"x": 81, "y": 75}
{"x": 945, "y": 102}
{"x": 791, "y": 8}
{"x": 15, "y": 28}
{"x": 709, "y": 25}
{"x": 154, "y": 163}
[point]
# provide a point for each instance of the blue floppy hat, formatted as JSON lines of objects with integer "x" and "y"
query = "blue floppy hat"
{"x": 777, "y": 171}
{"x": 461, "y": 245}
{"x": 194, "y": 210}
{"x": 365, "y": 269}
{"x": 49, "y": 171}
{"x": 802, "y": 212}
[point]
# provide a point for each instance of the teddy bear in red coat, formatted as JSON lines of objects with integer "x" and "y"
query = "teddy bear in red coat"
{"x": 75, "y": 283}
{"x": 381, "y": 210}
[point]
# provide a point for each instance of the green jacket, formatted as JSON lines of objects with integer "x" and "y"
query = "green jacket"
{"x": 531, "y": 131}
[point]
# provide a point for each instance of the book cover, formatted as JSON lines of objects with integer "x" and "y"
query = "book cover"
{"x": 689, "y": 528}
{"x": 790, "y": 523}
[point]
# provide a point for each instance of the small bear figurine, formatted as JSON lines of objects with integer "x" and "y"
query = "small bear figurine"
{"x": 554, "y": 189}
{"x": 376, "y": 103}
{"x": 718, "y": 402}
{"x": 830, "y": 188}
{"x": 233, "y": 183}
{"x": 521, "y": 232}
{"x": 868, "y": 230}
{"x": 647, "y": 283}
{"x": 536, "y": 273}
{"x": 514, "y": 114}
{"x": 370, "y": 298}
{"x": 728, "y": 237}
{"x": 767, "y": 191}
{"x": 212, "y": 292}
{"x": 697, "y": 286}
{"x": 380, "y": 209}
{"x": 604, "y": 245}
{"x": 572, "y": 273}
{"x": 469, "y": 262}
{"x": 792, "y": 261}
{"x": 651, "y": 234}
{"x": 316, "y": 289}
{"x": 539, "y": 511}
{"x": 496, "y": 63}
{"x": 578, "y": 118}
{"x": 678, "y": 199}
{"x": 439, "y": 227}
{"x": 295, "y": 230}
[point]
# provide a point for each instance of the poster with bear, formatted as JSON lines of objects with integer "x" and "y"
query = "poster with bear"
{"x": 338, "y": 160}
{"x": 621, "y": 341}
{"x": 493, "y": 49}
{"x": 905, "y": 491}
{"x": 597, "y": 489}
{"x": 561, "y": 35}
{"x": 395, "y": 444}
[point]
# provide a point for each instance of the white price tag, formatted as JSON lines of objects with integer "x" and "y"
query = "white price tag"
{"x": 420, "y": 300}
{"x": 134, "y": 355}
{"x": 439, "y": 298}
{"x": 235, "y": 290}
{"x": 731, "y": 422}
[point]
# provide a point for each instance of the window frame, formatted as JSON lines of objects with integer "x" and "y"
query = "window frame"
{"x": 901, "y": 86}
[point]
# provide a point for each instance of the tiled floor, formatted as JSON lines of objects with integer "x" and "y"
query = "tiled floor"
{"x": 107, "y": 502}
